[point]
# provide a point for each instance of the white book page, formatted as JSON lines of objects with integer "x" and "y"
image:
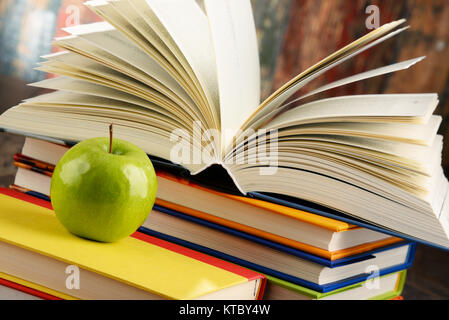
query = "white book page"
{"x": 40, "y": 122}
{"x": 76, "y": 66}
{"x": 80, "y": 67}
{"x": 406, "y": 132}
{"x": 388, "y": 108}
{"x": 131, "y": 23}
{"x": 91, "y": 89}
{"x": 287, "y": 90}
{"x": 355, "y": 78}
{"x": 88, "y": 49}
{"x": 151, "y": 43}
{"x": 365, "y": 75}
{"x": 184, "y": 29}
{"x": 237, "y": 56}
{"x": 417, "y": 107}
{"x": 112, "y": 41}
{"x": 358, "y": 77}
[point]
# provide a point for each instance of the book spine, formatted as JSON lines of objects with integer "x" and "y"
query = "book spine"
{"x": 27, "y": 290}
{"x": 264, "y": 270}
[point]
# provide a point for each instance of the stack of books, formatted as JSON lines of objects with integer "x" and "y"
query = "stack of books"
{"x": 303, "y": 255}
{"x": 41, "y": 259}
{"x": 324, "y": 198}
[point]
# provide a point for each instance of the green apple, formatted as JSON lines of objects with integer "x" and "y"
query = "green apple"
{"x": 102, "y": 193}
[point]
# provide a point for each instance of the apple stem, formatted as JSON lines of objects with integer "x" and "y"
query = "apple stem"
{"x": 110, "y": 137}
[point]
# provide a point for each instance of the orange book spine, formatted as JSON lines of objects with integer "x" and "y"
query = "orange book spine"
{"x": 332, "y": 255}
{"x": 323, "y": 222}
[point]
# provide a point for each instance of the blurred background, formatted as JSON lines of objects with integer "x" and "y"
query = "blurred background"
{"x": 293, "y": 35}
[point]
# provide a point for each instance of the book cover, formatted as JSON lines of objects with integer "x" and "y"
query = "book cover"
{"x": 319, "y": 295}
{"x": 28, "y": 223}
{"x": 263, "y": 269}
{"x": 331, "y": 263}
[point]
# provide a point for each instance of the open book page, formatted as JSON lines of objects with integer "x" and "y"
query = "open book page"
{"x": 135, "y": 19}
{"x": 286, "y": 91}
{"x": 150, "y": 133}
{"x": 380, "y": 178}
{"x": 162, "y": 31}
{"x": 170, "y": 23}
{"x": 375, "y": 109}
{"x": 100, "y": 106}
{"x": 237, "y": 57}
{"x": 261, "y": 121}
{"x": 131, "y": 23}
{"x": 417, "y": 133}
{"x": 390, "y": 107}
{"x": 357, "y": 155}
{"x": 364, "y": 75}
{"x": 138, "y": 21}
{"x": 79, "y": 67}
{"x": 105, "y": 37}
{"x": 97, "y": 53}
{"x": 62, "y": 83}
{"x": 355, "y": 201}
{"x": 368, "y": 138}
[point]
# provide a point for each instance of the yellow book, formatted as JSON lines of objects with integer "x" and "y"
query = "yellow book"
{"x": 35, "y": 247}
{"x": 39, "y": 291}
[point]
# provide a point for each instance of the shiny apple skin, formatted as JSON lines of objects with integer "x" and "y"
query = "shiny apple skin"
{"x": 103, "y": 196}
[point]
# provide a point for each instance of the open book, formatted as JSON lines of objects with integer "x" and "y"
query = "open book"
{"x": 182, "y": 81}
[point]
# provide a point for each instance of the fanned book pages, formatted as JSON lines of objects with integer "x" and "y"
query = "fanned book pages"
{"x": 182, "y": 81}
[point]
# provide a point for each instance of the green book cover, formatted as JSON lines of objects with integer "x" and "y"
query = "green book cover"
{"x": 319, "y": 295}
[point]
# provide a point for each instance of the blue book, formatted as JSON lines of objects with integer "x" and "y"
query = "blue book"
{"x": 277, "y": 246}
{"x": 211, "y": 238}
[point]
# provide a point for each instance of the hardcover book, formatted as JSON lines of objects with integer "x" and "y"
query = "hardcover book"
{"x": 270, "y": 258}
{"x": 23, "y": 290}
{"x": 388, "y": 287}
{"x": 35, "y": 247}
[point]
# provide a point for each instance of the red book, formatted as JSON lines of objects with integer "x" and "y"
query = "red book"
{"x": 27, "y": 290}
